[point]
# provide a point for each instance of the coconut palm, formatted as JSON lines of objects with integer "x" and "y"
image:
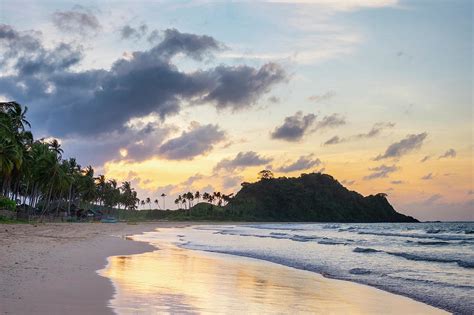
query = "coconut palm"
{"x": 163, "y": 195}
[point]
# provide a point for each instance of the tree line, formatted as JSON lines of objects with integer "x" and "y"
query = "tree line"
{"x": 34, "y": 173}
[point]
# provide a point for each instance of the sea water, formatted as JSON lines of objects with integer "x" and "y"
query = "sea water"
{"x": 430, "y": 262}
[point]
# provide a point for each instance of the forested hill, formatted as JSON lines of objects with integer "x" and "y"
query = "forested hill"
{"x": 311, "y": 197}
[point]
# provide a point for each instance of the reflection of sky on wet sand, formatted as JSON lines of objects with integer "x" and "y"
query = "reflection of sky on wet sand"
{"x": 174, "y": 280}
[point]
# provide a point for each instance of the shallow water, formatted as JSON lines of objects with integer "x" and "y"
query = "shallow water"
{"x": 176, "y": 280}
{"x": 432, "y": 262}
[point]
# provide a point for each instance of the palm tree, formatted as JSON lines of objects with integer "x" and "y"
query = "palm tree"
{"x": 163, "y": 195}
{"x": 157, "y": 204}
{"x": 142, "y": 203}
{"x": 148, "y": 201}
{"x": 197, "y": 195}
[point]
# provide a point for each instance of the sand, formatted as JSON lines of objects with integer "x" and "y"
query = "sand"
{"x": 53, "y": 269}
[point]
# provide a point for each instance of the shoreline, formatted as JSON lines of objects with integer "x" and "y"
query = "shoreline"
{"x": 144, "y": 277}
{"x": 58, "y": 268}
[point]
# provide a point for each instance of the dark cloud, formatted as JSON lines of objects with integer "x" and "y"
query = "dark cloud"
{"x": 374, "y": 132}
{"x": 427, "y": 177}
{"x": 303, "y": 163}
{"x": 426, "y": 158}
{"x": 381, "y": 171}
{"x": 397, "y": 149}
{"x": 78, "y": 20}
{"x": 294, "y": 127}
{"x": 240, "y": 87}
{"x": 195, "y": 46}
{"x": 242, "y": 160}
{"x": 154, "y": 37}
{"x": 138, "y": 144}
{"x": 323, "y": 97}
{"x": 146, "y": 83}
{"x": 197, "y": 141}
{"x": 451, "y": 153}
{"x": 24, "y": 53}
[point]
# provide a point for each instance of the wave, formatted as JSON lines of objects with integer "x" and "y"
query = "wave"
{"x": 359, "y": 271}
{"x": 365, "y": 250}
{"x": 433, "y": 243}
{"x": 461, "y": 263}
{"x": 436, "y": 236}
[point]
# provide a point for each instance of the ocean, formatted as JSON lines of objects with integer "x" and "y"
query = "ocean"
{"x": 429, "y": 262}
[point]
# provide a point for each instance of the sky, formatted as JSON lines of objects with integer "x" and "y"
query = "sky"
{"x": 180, "y": 96}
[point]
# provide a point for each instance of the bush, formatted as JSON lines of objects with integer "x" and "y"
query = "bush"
{"x": 7, "y": 204}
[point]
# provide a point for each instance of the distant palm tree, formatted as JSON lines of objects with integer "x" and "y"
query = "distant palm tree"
{"x": 142, "y": 203}
{"x": 163, "y": 195}
{"x": 157, "y": 204}
{"x": 197, "y": 195}
{"x": 148, "y": 201}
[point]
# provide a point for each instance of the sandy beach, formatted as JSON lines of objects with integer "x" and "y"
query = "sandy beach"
{"x": 51, "y": 268}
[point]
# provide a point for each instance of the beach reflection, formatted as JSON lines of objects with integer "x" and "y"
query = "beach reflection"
{"x": 174, "y": 280}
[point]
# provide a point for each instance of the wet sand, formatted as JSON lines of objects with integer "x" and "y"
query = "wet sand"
{"x": 176, "y": 280}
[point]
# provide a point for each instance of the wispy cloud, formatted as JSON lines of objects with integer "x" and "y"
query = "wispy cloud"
{"x": 451, "y": 153}
{"x": 404, "y": 146}
{"x": 303, "y": 163}
{"x": 242, "y": 160}
{"x": 381, "y": 171}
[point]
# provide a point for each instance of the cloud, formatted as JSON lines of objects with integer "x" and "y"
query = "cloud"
{"x": 294, "y": 127}
{"x": 397, "y": 182}
{"x": 374, "y": 132}
{"x": 333, "y": 140}
{"x": 240, "y": 87}
{"x": 451, "y": 153}
{"x": 426, "y": 158}
{"x": 323, "y": 97}
{"x": 242, "y": 160}
{"x": 331, "y": 121}
{"x": 348, "y": 182}
{"x": 197, "y": 141}
{"x": 129, "y": 32}
{"x": 274, "y": 99}
{"x": 232, "y": 182}
{"x": 138, "y": 144}
{"x": 78, "y": 20}
{"x": 433, "y": 198}
{"x": 303, "y": 163}
{"x": 146, "y": 83}
{"x": 23, "y": 53}
{"x": 398, "y": 149}
{"x": 381, "y": 171}
{"x": 427, "y": 177}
